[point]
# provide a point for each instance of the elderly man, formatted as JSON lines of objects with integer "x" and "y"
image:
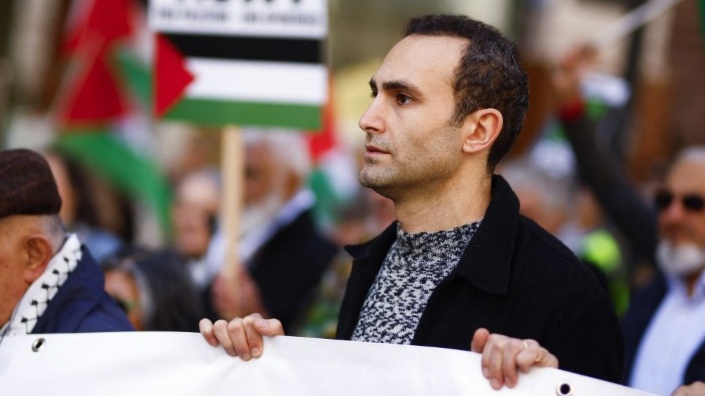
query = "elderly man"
{"x": 663, "y": 332}
{"x": 282, "y": 250}
{"x": 49, "y": 283}
{"x": 461, "y": 268}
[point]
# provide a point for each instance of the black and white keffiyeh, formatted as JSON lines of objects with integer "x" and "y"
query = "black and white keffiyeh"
{"x": 39, "y": 295}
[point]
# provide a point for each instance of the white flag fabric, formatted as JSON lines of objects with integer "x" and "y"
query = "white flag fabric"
{"x": 164, "y": 363}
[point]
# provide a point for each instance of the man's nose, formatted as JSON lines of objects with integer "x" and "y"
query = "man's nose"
{"x": 372, "y": 120}
{"x": 673, "y": 212}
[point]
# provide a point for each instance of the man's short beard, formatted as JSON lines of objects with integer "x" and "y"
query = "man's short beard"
{"x": 261, "y": 212}
{"x": 680, "y": 260}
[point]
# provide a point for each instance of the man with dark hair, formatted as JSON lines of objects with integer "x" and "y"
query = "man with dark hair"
{"x": 461, "y": 268}
{"x": 49, "y": 283}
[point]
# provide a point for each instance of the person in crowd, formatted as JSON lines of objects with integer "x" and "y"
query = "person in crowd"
{"x": 194, "y": 213}
{"x": 460, "y": 268}
{"x": 79, "y": 211}
{"x": 154, "y": 289}
{"x": 664, "y": 338}
{"x": 49, "y": 282}
{"x": 282, "y": 251}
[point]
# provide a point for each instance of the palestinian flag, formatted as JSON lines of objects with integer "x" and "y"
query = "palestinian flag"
{"x": 107, "y": 84}
{"x": 218, "y": 80}
{"x": 241, "y": 63}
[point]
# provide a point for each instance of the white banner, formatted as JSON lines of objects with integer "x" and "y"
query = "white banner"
{"x": 155, "y": 363}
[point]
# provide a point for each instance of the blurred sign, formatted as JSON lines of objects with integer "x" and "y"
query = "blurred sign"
{"x": 243, "y": 62}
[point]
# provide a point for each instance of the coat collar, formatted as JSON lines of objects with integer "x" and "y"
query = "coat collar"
{"x": 486, "y": 262}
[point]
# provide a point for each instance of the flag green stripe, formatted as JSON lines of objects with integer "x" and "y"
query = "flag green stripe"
{"x": 136, "y": 75}
{"x": 220, "y": 113}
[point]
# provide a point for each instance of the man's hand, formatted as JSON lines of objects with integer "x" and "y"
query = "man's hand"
{"x": 695, "y": 389}
{"x": 501, "y": 356}
{"x": 569, "y": 71}
{"x": 241, "y": 336}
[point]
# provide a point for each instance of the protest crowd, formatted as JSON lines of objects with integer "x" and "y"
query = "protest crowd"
{"x": 431, "y": 222}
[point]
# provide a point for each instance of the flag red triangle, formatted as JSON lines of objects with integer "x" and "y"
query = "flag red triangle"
{"x": 324, "y": 140}
{"x": 97, "y": 96}
{"x": 103, "y": 20}
{"x": 172, "y": 76}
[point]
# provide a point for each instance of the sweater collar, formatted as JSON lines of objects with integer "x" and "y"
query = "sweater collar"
{"x": 486, "y": 262}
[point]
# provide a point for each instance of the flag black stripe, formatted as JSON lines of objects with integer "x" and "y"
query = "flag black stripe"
{"x": 266, "y": 49}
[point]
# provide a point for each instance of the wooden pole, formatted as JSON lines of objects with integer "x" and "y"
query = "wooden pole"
{"x": 233, "y": 160}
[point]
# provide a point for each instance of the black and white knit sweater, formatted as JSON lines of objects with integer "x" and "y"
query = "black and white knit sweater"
{"x": 413, "y": 268}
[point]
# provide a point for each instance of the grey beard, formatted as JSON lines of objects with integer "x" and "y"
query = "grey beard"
{"x": 680, "y": 260}
{"x": 260, "y": 213}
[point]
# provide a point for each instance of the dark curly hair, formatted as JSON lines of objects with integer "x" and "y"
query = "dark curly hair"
{"x": 489, "y": 75}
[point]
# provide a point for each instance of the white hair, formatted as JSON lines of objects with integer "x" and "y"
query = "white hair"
{"x": 691, "y": 153}
{"x": 288, "y": 147}
{"x": 54, "y": 229}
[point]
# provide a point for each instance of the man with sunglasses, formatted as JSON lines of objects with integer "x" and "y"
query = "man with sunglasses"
{"x": 663, "y": 329}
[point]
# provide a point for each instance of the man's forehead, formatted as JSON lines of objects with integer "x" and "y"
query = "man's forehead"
{"x": 688, "y": 175}
{"x": 417, "y": 58}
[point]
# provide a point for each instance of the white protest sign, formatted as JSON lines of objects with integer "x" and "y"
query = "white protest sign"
{"x": 160, "y": 363}
{"x": 241, "y": 62}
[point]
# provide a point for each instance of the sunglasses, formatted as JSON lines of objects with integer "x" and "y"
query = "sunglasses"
{"x": 690, "y": 202}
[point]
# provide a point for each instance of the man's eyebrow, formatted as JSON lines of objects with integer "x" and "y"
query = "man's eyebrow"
{"x": 400, "y": 85}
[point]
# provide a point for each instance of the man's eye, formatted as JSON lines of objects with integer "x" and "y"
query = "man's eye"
{"x": 403, "y": 99}
{"x": 373, "y": 94}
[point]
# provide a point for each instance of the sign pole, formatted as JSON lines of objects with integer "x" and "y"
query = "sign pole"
{"x": 233, "y": 159}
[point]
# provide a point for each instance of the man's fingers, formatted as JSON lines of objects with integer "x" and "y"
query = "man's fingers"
{"x": 492, "y": 357}
{"x": 206, "y": 328}
{"x": 503, "y": 357}
{"x": 253, "y": 335}
{"x": 238, "y": 335}
{"x": 269, "y": 327}
{"x": 220, "y": 329}
{"x": 479, "y": 339}
{"x": 510, "y": 361}
{"x": 534, "y": 355}
{"x": 529, "y": 355}
{"x": 241, "y": 336}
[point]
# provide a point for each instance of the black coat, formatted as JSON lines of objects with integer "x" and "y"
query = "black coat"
{"x": 81, "y": 305}
{"x": 513, "y": 279}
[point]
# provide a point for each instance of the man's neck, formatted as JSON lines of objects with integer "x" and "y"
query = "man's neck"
{"x": 445, "y": 208}
{"x": 691, "y": 282}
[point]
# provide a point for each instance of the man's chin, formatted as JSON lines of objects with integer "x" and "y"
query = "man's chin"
{"x": 680, "y": 260}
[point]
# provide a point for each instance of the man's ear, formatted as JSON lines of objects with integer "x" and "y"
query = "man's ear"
{"x": 38, "y": 253}
{"x": 483, "y": 126}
